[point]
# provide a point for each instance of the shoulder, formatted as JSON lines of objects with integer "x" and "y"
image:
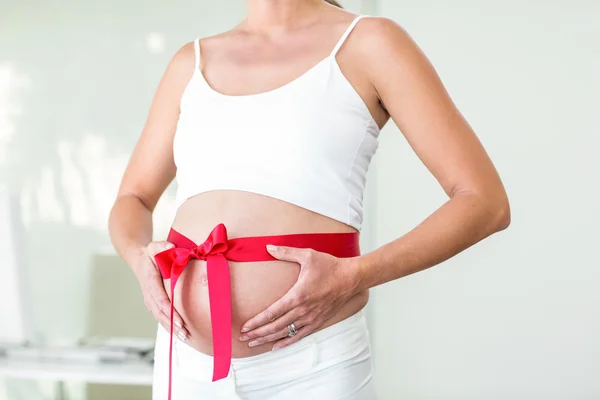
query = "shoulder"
{"x": 377, "y": 36}
{"x": 181, "y": 65}
{"x": 390, "y": 50}
{"x": 184, "y": 58}
{"x": 183, "y": 62}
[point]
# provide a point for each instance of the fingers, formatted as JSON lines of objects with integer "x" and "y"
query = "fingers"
{"x": 155, "y": 296}
{"x": 161, "y": 311}
{"x": 282, "y": 306}
{"x": 281, "y": 337}
{"x": 297, "y": 255}
{"x": 162, "y": 303}
{"x": 275, "y": 330}
{"x": 158, "y": 315}
{"x": 164, "y": 319}
{"x": 282, "y": 333}
{"x": 300, "y": 333}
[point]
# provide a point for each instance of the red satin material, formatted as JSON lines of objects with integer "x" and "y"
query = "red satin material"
{"x": 217, "y": 250}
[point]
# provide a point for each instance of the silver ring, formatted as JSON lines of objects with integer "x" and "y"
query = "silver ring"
{"x": 291, "y": 329}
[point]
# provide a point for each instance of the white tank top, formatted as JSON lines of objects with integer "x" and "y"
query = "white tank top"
{"x": 308, "y": 142}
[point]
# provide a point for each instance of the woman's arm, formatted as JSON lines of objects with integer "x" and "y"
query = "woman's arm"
{"x": 151, "y": 167}
{"x": 412, "y": 93}
{"x": 149, "y": 172}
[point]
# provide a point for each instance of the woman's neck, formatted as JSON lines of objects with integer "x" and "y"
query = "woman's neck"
{"x": 271, "y": 16}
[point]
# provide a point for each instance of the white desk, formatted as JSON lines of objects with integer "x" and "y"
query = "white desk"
{"x": 137, "y": 373}
{"x": 132, "y": 373}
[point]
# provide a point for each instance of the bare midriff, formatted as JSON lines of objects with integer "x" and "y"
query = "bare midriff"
{"x": 254, "y": 286}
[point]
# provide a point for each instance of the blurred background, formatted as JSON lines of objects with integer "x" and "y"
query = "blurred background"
{"x": 515, "y": 317}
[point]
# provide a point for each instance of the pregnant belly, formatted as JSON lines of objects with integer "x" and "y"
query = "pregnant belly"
{"x": 256, "y": 285}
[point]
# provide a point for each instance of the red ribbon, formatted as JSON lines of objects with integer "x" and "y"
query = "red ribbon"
{"x": 216, "y": 251}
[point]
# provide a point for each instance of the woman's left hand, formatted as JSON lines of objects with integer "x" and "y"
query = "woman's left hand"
{"x": 325, "y": 283}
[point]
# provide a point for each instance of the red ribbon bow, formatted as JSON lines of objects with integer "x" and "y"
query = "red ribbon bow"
{"x": 171, "y": 264}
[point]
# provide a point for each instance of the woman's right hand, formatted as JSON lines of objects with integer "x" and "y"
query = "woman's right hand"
{"x": 155, "y": 296}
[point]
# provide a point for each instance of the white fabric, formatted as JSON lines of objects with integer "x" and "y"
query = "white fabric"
{"x": 308, "y": 142}
{"x": 333, "y": 363}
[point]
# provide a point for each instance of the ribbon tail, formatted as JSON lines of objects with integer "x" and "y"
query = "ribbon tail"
{"x": 173, "y": 281}
{"x": 175, "y": 272}
{"x": 219, "y": 293}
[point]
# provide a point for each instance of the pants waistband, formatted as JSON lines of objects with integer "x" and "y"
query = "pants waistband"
{"x": 330, "y": 344}
{"x": 318, "y": 336}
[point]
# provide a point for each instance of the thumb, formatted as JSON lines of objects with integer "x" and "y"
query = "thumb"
{"x": 163, "y": 245}
{"x": 285, "y": 253}
{"x": 156, "y": 247}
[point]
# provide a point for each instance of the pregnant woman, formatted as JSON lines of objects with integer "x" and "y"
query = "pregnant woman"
{"x": 269, "y": 130}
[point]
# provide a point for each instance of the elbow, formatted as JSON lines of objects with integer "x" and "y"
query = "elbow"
{"x": 495, "y": 210}
{"x": 501, "y": 212}
{"x": 503, "y": 219}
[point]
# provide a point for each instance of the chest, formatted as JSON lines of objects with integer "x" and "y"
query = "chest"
{"x": 280, "y": 127}
{"x": 244, "y": 64}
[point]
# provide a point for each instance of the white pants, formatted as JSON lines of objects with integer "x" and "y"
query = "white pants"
{"x": 333, "y": 363}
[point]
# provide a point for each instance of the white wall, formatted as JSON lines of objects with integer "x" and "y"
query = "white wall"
{"x": 517, "y": 316}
